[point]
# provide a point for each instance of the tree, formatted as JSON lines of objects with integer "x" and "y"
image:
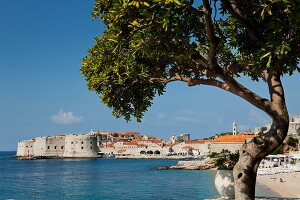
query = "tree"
{"x": 292, "y": 141}
{"x": 150, "y": 43}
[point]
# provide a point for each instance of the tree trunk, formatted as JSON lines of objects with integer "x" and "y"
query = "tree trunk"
{"x": 250, "y": 156}
{"x": 253, "y": 152}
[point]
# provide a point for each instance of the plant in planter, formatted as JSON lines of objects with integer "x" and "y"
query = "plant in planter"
{"x": 224, "y": 180}
{"x": 226, "y": 160}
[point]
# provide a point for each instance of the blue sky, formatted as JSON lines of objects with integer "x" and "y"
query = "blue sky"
{"x": 42, "y": 92}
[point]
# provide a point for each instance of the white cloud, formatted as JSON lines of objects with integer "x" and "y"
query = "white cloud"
{"x": 66, "y": 118}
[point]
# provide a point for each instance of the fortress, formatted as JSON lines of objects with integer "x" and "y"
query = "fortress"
{"x": 59, "y": 146}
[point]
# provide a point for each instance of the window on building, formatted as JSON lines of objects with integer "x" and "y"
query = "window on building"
{"x": 91, "y": 142}
{"x": 91, "y": 147}
{"x": 81, "y": 142}
{"x": 54, "y": 147}
{"x": 81, "y": 147}
{"x": 71, "y": 142}
{"x": 62, "y": 147}
{"x": 48, "y": 147}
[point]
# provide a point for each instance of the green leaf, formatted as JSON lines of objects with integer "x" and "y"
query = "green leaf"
{"x": 146, "y": 4}
{"x": 269, "y": 61}
{"x": 267, "y": 54}
{"x": 177, "y": 2}
{"x": 269, "y": 10}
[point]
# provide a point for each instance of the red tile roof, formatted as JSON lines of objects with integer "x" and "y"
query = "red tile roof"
{"x": 233, "y": 138}
{"x": 130, "y": 143}
{"x": 129, "y": 133}
{"x": 196, "y": 142}
{"x": 110, "y": 145}
{"x": 155, "y": 140}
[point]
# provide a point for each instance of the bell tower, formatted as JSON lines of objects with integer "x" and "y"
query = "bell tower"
{"x": 234, "y": 128}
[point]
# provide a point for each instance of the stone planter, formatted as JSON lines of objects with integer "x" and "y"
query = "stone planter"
{"x": 224, "y": 183}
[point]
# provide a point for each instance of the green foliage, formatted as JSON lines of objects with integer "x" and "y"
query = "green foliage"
{"x": 213, "y": 155}
{"x": 224, "y": 133}
{"x": 147, "y": 39}
{"x": 292, "y": 141}
{"x": 226, "y": 160}
{"x": 278, "y": 150}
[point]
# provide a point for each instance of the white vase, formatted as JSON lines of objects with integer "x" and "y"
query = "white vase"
{"x": 224, "y": 183}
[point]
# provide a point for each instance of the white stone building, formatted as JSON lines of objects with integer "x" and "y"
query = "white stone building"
{"x": 192, "y": 147}
{"x": 294, "y": 128}
{"x": 135, "y": 148}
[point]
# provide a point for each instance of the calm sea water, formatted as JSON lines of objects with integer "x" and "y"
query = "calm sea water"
{"x": 102, "y": 179}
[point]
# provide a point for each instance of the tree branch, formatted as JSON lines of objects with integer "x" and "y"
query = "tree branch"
{"x": 194, "y": 82}
{"x": 277, "y": 95}
{"x": 163, "y": 80}
{"x": 243, "y": 92}
{"x": 237, "y": 68}
{"x": 230, "y": 5}
{"x": 199, "y": 59}
{"x": 213, "y": 40}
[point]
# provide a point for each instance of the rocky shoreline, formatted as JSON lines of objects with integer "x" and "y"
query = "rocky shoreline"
{"x": 205, "y": 164}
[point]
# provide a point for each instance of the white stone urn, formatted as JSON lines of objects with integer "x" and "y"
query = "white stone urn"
{"x": 224, "y": 183}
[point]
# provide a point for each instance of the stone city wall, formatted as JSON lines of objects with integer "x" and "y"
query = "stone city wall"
{"x": 80, "y": 146}
{"x": 71, "y": 146}
{"x": 220, "y": 146}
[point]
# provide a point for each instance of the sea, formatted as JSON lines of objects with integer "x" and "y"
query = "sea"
{"x": 101, "y": 179}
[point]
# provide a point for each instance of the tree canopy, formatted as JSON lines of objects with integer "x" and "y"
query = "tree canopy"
{"x": 149, "y": 43}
